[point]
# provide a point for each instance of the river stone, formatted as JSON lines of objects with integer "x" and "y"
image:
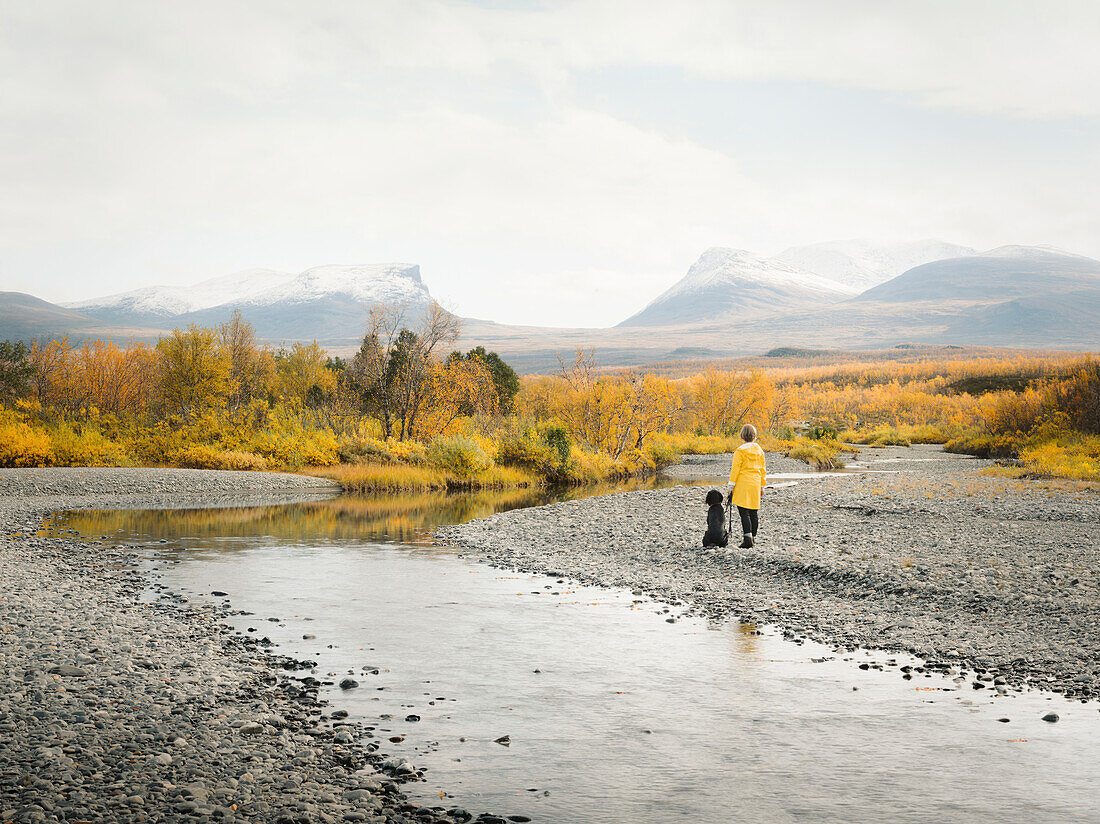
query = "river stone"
{"x": 68, "y": 671}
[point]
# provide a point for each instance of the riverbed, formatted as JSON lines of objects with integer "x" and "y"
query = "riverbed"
{"x": 531, "y": 695}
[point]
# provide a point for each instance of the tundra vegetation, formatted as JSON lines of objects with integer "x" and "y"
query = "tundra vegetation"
{"x": 409, "y": 413}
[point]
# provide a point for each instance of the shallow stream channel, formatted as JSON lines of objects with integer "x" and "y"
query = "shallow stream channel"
{"x": 527, "y": 696}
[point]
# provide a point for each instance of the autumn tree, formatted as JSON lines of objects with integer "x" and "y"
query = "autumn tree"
{"x": 393, "y": 366}
{"x": 50, "y": 362}
{"x": 655, "y": 403}
{"x": 251, "y": 367}
{"x": 505, "y": 379}
{"x": 456, "y": 387}
{"x": 303, "y": 375}
{"x": 195, "y": 370}
{"x": 722, "y": 401}
{"x": 112, "y": 378}
{"x": 16, "y": 369}
{"x": 610, "y": 413}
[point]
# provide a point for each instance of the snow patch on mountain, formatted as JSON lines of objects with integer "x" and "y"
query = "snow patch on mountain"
{"x": 374, "y": 283}
{"x": 1031, "y": 253}
{"x": 861, "y": 264}
{"x": 369, "y": 284}
{"x": 718, "y": 267}
{"x": 724, "y": 282}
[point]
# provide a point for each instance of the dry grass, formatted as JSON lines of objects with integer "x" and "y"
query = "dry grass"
{"x": 366, "y": 478}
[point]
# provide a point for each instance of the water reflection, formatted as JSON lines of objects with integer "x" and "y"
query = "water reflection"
{"x": 409, "y": 519}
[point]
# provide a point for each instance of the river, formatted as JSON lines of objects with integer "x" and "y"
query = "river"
{"x": 611, "y": 711}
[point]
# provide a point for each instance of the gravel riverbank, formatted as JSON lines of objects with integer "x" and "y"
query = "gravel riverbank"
{"x": 923, "y": 554}
{"x": 118, "y": 706}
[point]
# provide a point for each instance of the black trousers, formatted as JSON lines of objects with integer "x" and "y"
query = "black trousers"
{"x": 749, "y": 521}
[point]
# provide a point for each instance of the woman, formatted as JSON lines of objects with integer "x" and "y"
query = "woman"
{"x": 748, "y": 476}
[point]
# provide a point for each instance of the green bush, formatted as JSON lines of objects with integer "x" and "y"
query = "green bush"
{"x": 556, "y": 437}
{"x": 521, "y": 445}
{"x": 460, "y": 455}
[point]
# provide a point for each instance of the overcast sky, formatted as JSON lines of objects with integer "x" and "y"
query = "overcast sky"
{"x": 547, "y": 163}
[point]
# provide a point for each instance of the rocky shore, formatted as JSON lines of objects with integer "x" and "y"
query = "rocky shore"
{"x": 923, "y": 554}
{"x": 117, "y": 705}
{"x": 121, "y": 704}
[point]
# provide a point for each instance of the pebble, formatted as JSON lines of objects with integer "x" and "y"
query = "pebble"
{"x": 98, "y": 679}
{"x": 928, "y": 557}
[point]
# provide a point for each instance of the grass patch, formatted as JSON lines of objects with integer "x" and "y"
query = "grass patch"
{"x": 368, "y": 478}
{"x": 902, "y": 435}
{"x": 1065, "y": 455}
{"x": 820, "y": 454}
{"x": 686, "y": 443}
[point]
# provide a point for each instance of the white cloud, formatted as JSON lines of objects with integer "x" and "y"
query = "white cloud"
{"x": 173, "y": 139}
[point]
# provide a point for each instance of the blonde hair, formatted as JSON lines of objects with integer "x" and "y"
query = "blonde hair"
{"x": 748, "y": 432}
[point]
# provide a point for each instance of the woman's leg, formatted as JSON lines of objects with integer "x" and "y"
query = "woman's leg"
{"x": 754, "y": 520}
{"x": 746, "y": 519}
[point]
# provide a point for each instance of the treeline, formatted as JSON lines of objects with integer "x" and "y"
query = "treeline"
{"x": 216, "y": 398}
{"x": 408, "y": 410}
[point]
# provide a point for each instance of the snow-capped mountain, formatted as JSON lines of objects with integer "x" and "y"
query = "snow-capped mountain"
{"x": 325, "y": 302}
{"x": 724, "y": 281}
{"x": 376, "y": 283}
{"x": 370, "y": 284}
{"x": 861, "y": 264}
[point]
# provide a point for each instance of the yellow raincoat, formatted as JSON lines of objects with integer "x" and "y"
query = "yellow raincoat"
{"x": 748, "y": 475}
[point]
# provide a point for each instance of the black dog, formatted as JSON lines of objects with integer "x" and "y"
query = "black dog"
{"x": 716, "y": 534}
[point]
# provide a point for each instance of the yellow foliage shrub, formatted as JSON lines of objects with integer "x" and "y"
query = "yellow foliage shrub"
{"x": 820, "y": 454}
{"x": 411, "y": 452}
{"x": 903, "y": 435}
{"x": 661, "y": 451}
{"x": 22, "y": 445}
{"x": 1062, "y": 453}
{"x": 75, "y": 445}
{"x": 590, "y": 467}
{"x": 242, "y": 461}
{"x": 363, "y": 449}
{"x": 691, "y": 444}
{"x": 199, "y": 456}
{"x": 287, "y": 442}
{"x": 983, "y": 444}
{"x": 521, "y": 445}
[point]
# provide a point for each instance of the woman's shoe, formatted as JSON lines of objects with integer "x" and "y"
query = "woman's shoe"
{"x": 746, "y": 542}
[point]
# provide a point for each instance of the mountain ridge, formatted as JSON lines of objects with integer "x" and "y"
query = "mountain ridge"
{"x": 723, "y": 280}
{"x": 1005, "y": 296}
{"x": 862, "y": 264}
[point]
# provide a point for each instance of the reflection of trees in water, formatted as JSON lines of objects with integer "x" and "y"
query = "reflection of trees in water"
{"x": 409, "y": 517}
{"x": 746, "y": 640}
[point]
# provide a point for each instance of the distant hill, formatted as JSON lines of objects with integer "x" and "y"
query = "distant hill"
{"x": 1066, "y": 319}
{"x": 25, "y": 317}
{"x": 861, "y": 264}
{"x": 724, "y": 283}
{"x": 1003, "y": 273}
